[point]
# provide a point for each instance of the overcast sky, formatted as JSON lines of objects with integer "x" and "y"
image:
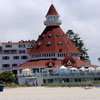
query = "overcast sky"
{"x": 23, "y": 20}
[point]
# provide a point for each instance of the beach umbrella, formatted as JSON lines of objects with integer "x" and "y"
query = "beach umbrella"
{"x": 63, "y": 67}
{"x": 91, "y": 69}
{"x": 82, "y": 69}
{"x": 98, "y": 69}
{"x": 63, "y": 70}
{"x": 27, "y": 71}
{"x": 73, "y": 68}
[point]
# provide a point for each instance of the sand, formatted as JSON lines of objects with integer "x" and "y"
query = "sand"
{"x": 44, "y": 93}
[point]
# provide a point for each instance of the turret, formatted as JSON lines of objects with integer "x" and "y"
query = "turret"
{"x": 52, "y": 17}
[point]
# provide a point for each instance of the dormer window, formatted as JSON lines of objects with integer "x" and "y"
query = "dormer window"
{"x": 57, "y": 35}
{"x": 49, "y": 43}
{"x": 59, "y": 43}
{"x": 49, "y": 35}
{"x": 60, "y": 50}
{"x": 39, "y": 44}
{"x": 50, "y": 64}
{"x": 69, "y": 63}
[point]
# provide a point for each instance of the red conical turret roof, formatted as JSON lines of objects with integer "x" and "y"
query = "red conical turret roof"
{"x": 52, "y": 11}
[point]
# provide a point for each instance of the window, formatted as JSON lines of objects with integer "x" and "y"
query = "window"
{"x": 69, "y": 62}
{"x": 8, "y": 46}
{"x": 6, "y": 65}
{"x": 59, "y": 43}
{"x": 43, "y": 55}
{"x": 36, "y": 70}
{"x": 10, "y": 51}
{"x": 21, "y": 51}
{"x": 15, "y": 57}
{"x": 60, "y": 50}
{"x": 6, "y": 51}
{"x": 50, "y": 64}
{"x": 51, "y": 54}
{"x": 24, "y": 57}
{"x": 49, "y": 35}
{"x": 14, "y": 65}
{"x": 5, "y": 57}
{"x": 64, "y": 55}
{"x": 57, "y": 35}
{"x": 20, "y": 71}
{"x": 39, "y": 44}
{"x": 49, "y": 43}
{"x": 33, "y": 56}
{"x": 21, "y": 45}
{"x": 59, "y": 55}
{"x": 13, "y": 51}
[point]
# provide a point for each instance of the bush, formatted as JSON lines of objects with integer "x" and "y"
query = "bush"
{"x": 7, "y": 77}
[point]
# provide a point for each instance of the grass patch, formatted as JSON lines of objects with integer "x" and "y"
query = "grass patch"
{"x": 13, "y": 85}
{"x": 72, "y": 84}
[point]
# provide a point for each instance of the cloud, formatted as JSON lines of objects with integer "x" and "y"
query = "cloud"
{"x": 23, "y": 19}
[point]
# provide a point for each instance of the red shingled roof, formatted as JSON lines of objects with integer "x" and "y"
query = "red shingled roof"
{"x": 57, "y": 35}
{"x": 39, "y": 63}
{"x": 57, "y": 63}
{"x": 69, "y": 58}
{"x": 83, "y": 63}
{"x": 52, "y": 11}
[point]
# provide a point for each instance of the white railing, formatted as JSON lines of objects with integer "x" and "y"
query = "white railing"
{"x": 73, "y": 75}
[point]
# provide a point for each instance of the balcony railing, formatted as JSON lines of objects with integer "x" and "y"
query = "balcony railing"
{"x": 72, "y": 75}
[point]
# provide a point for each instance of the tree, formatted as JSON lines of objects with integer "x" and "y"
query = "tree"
{"x": 99, "y": 59}
{"x": 79, "y": 45}
{"x": 7, "y": 77}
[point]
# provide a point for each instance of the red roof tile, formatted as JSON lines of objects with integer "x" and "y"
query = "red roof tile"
{"x": 83, "y": 63}
{"x": 66, "y": 47}
{"x": 57, "y": 63}
{"x": 39, "y": 64}
{"x": 52, "y": 11}
{"x": 69, "y": 58}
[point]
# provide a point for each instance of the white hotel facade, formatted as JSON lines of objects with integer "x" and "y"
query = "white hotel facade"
{"x": 13, "y": 54}
{"x": 51, "y": 58}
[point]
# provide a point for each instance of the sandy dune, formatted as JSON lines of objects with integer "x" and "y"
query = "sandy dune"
{"x": 43, "y": 93}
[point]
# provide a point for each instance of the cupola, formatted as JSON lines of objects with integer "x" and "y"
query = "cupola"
{"x": 52, "y": 17}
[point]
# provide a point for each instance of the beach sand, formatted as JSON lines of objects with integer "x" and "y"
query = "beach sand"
{"x": 45, "y": 93}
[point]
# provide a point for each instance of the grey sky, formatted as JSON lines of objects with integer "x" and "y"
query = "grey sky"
{"x": 23, "y": 19}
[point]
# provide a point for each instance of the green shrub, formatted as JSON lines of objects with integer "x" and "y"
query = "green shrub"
{"x": 7, "y": 77}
